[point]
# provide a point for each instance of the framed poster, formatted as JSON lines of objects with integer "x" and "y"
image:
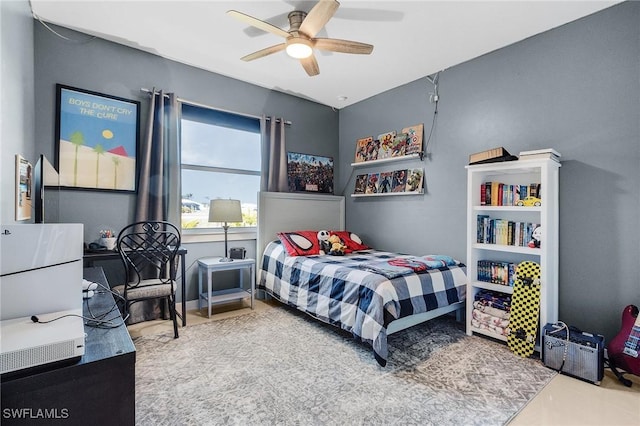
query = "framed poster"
{"x": 97, "y": 139}
{"x": 309, "y": 173}
{"x": 23, "y": 188}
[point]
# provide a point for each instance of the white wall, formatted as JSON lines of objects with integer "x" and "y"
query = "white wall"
{"x": 17, "y": 121}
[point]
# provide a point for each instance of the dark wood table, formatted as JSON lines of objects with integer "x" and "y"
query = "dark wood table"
{"x": 99, "y": 389}
{"x": 91, "y": 256}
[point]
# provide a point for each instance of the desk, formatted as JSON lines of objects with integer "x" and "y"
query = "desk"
{"x": 91, "y": 256}
{"x": 97, "y": 390}
{"x": 209, "y": 265}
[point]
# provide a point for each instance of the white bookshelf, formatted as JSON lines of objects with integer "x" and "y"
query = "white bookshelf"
{"x": 546, "y": 173}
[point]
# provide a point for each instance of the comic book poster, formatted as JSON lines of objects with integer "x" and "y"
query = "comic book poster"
{"x": 386, "y": 182}
{"x": 414, "y": 180}
{"x": 372, "y": 183}
{"x": 372, "y": 150}
{"x": 308, "y": 172}
{"x": 398, "y": 145}
{"x": 414, "y": 138}
{"x": 361, "y": 149}
{"x": 399, "y": 181}
{"x": 386, "y": 140}
{"x": 361, "y": 184}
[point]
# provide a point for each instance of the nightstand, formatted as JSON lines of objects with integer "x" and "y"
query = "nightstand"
{"x": 209, "y": 265}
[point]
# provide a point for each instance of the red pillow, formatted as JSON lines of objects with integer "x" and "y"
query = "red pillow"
{"x": 300, "y": 243}
{"x": 351, "y": 240}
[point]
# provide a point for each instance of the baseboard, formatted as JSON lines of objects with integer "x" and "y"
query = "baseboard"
{"x": 191, "y": 305}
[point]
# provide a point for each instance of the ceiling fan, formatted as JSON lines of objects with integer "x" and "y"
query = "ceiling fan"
{"x": 300, "y": 39}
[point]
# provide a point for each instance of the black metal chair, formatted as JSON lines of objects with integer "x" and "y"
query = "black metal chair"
{"x": 149, "y": 253}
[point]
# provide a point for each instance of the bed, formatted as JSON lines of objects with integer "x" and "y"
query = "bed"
{"x": 361, "y": 292}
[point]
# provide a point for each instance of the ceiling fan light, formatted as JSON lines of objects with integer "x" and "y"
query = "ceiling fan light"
{"x": 299, "y": 50}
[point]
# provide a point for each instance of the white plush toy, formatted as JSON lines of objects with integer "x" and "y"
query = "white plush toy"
{"x": 323, "y": 240}
{"x": 536, "y": 237}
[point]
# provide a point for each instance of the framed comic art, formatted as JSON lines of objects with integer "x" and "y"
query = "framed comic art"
{"x": 97, "y": 138}
{"x": 309, "y": 173}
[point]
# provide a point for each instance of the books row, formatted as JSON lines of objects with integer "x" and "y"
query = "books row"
{"x": 502, "y": 194}
{"x": 390, "y": 144}
{"x": 497, "y": 272}
{"x": 504, "y": 232}
{"x": 405, "y": 180}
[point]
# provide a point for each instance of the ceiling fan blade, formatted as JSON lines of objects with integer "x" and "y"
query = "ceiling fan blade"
{"x": 318, "y": 17}
{"x": 342, "y": 46}
{"x": 280, "y": 21}
{"x": 264, "y": 52}
{"x": 258, "y": 23}
{"x": 310, "y": 65}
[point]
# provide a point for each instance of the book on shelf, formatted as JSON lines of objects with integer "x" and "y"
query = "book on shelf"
{"x": 534, "y": 190}
{"x": 386, "y": 182}
{"x": 495, "y": 193}
{"x": 496, "y": 160}
{"x": 362, "y": 145}
{"x": 414, "y": 180}
{"x": 497, "y": 272}
{"x": 372, "y": 183}
{"x": 502, "y": 194}
{"x": 399, "y": 181}
{"x": 398, "y": 145}
{"x": 414, "y": 138}
{"x": 491, "y": 156}
{"x": 361, "y": 183}
{"x": 549, "y": 153}
{"x": 481, "y": 228}
{"x": 503, "y": 232}
{"x": 386, "y": 141}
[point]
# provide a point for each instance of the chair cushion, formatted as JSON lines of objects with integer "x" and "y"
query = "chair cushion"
{"x": 147, "y": 289}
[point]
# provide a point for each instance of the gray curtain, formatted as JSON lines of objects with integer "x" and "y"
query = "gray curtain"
{"x": 274, "y": 155}
{"x": 154, "y": 195}
{"x": 153, "y": 182}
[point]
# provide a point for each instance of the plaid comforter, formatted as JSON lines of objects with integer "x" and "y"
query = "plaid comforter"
{"x": 336, "y": 290}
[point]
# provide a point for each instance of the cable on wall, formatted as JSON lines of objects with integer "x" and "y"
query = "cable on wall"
{"x": 434, "y": 97}
{"x": 60, "y": 35}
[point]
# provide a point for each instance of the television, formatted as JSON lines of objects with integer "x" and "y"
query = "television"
{"x": 46, "y": 190}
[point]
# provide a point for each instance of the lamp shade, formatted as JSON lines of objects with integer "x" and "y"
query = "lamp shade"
{"x": 225, "y": 211}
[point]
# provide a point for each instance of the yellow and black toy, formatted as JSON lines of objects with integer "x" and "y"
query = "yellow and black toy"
{"x": 525, "y": 309}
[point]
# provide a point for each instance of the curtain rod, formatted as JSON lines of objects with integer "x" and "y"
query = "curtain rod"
{"x": 185, "y": 101}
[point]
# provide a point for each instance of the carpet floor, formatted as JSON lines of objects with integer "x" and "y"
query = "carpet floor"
{"x": 281, "y": 367}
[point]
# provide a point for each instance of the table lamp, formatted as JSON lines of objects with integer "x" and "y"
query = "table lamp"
{"x": 225, "y": 211}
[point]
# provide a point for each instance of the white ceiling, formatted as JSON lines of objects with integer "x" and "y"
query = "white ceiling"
{"x": 412, "y": 39}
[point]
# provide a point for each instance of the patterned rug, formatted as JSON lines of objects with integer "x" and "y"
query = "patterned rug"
{"x": 281, "y": 367}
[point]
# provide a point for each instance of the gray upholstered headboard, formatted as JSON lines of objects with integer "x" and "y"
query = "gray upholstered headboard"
{"x": 285, "y": 211}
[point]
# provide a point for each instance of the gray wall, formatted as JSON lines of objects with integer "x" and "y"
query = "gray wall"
{"x": 17, "y": 100}
{"x": 576, "y": 89}
{"x": 110, "y": 68}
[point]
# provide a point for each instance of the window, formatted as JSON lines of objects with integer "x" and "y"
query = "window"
{"x": 221, "y": 158}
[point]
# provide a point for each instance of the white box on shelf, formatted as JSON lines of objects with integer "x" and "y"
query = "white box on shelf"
{"x": 40, "y": 280}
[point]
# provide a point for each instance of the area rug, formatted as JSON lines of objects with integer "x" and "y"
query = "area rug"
{"x": 281, "y": 367}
